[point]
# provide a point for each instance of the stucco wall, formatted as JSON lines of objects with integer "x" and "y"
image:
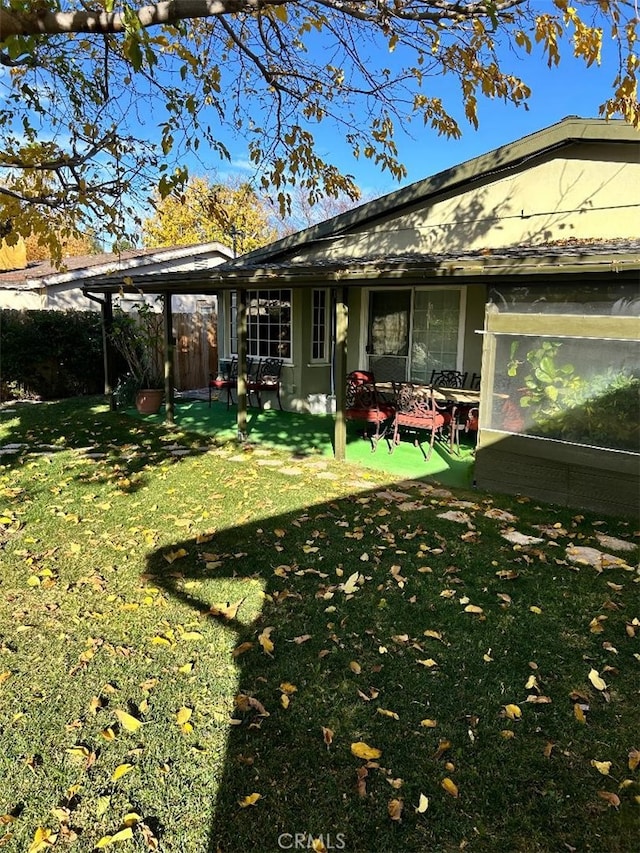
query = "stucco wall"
{"x": 585, "y": 191}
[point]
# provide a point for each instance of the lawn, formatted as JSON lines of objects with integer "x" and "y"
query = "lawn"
{"x": 207, "y": 647}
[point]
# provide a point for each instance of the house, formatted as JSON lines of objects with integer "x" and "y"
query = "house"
{"x": 41, "y": 286}
{"x": 522, "y": 264}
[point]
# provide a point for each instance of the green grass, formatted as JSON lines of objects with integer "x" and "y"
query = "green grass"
{"x": 118, "y": 537}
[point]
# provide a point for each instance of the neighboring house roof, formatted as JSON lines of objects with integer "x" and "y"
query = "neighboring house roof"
{"x": 82, "y": 269}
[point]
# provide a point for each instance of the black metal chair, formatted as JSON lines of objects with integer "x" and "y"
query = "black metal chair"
{"x": 226, "y": 382}
{"x": 474, "y": 384}
{"x": 365, "y": 405}
{"x": 448, "y": 378}
{"x": 267, "y": 378}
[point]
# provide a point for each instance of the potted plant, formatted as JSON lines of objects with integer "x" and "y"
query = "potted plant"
{"x": 138, "y": 337}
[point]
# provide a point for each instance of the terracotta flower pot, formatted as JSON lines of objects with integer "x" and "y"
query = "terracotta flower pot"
{"x": 149, "y": 400}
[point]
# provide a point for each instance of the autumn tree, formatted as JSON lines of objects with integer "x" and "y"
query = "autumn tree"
{"x": 71, "y": 246}
{"x": 100, "y": 101}
{"x": 231, "y": 213}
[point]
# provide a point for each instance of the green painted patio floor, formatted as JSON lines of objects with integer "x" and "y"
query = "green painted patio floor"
{"x": 306, "y": 435}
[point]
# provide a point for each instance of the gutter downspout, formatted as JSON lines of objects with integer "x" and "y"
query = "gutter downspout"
{"x": 106, "y": 314}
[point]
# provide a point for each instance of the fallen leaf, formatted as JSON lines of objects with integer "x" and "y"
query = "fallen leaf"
{"x": 327, "y": 735}
{"x": 449, "y": 786}
{"x": 362, "y": 750}
{"x": 513, "y": 712}
{"x": 394, "y": 809}
{"x": 578, "y": 713}
{"x": 127, "y": 721}
{"x": 107, "y": 840}
{"x": 634, "y": 759}
{"x": 423, "y": 804}
{"x": 265, "y": 641}
{"x": 42, "y": 840}
{"x": 611, "y": 798}
{"x": 120, "y": 771}
{"x": 241, "y": 649}
{"x": 473, "y": 608}
{"x": 183, "y": 715}
{"x": 355, "y": 667}
{"x": 594, "y": 678}
{"x": 226, "y": 611}
{"x": 250, "y": 800}
{"x": 386, "y": 713}
{"x": 429, "y": 724}
{"x": 362, "y": 773}
{"x": 601, "y": 766}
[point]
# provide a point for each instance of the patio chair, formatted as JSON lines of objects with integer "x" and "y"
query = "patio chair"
{"x": 365, "y": 405}
{"x": 417, "y": 412}
{"x": 474, "y": 384}
{"x": 267, "y": 378}
{"x": 448, "y": 378}
{"x": 226, "y": 382}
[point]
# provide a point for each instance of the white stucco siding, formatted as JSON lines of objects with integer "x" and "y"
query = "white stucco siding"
{"x": 588, "y": 192}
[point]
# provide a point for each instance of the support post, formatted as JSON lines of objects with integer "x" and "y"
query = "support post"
{"x": 241, "y": 329}
{"x": 169, "y": 344}
{"x": 342, "y": 328}
{"x": 106, "y": 309}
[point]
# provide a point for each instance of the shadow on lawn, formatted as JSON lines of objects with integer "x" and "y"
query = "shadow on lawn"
{"x": 308, "y": 786}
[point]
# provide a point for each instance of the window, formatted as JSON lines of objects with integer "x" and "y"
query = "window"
{"x": 319, "y": 326}
{"x": 268, "y": 323}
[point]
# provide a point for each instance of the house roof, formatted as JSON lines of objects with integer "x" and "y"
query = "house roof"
{"x": 82, "y": 268}
{"x": 569, "y": 131}
{"x": 569, "y": 257}
{"x": 275, "y": 264}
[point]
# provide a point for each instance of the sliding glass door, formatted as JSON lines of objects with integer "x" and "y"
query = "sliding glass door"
{"x": 412, "y": 332}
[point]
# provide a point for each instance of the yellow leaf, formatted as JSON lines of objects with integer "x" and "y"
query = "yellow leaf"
{"x": 429, "y": 724}
{"x": 601, "y": 766}
{"x": 129, "y": 723}
{"x": 80, "y": 753}
{"x": 192, "y": 635}
{"x": 355, "y": 667}
{"x": 394, "y": 809}
{"x": 362, "y": 750}
{"x": 535, "y": 609}
{"x": 473, "y": 608}
{"x": 131, "y": 819}
{"x": 284, "y": 701}
{"x": 634, "y": 759}
{"x": 578, "y": 713}
{"x": 183, "y": 716}
{"x": 386, "y": 713}
{"x": 265, "y": 640}
{"x": 429, "y": 663}
{"x": 172, "y": 556}
{"x": 594, "y": 678}
{"x": 288, "y": 688}
{"x": 42, "y": 840}
{"x": 251, "y": 800}
{"x": 513, "y": 712}
{"x": 108, "y": 733}
{"x": 33, "y": 580}
{"x": 423, "y": 804}
{"x": 186, "y": 668}
{"x": 160, "y": 641}
{"x": 435, "y": 635}
{"x": 450, "y": 786}
{"x": 120, "y": 771}
{"x": 532, "y": 682}
{"x": 123, "y": 835}
{"x": 507, "y": 734}
{"x": 5, "y": 675}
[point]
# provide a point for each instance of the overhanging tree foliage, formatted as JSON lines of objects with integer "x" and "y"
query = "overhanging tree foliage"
{"x": 99, "y": 102}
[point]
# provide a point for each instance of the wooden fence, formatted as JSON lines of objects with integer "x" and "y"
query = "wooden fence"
{"x": 196, "y": 352}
